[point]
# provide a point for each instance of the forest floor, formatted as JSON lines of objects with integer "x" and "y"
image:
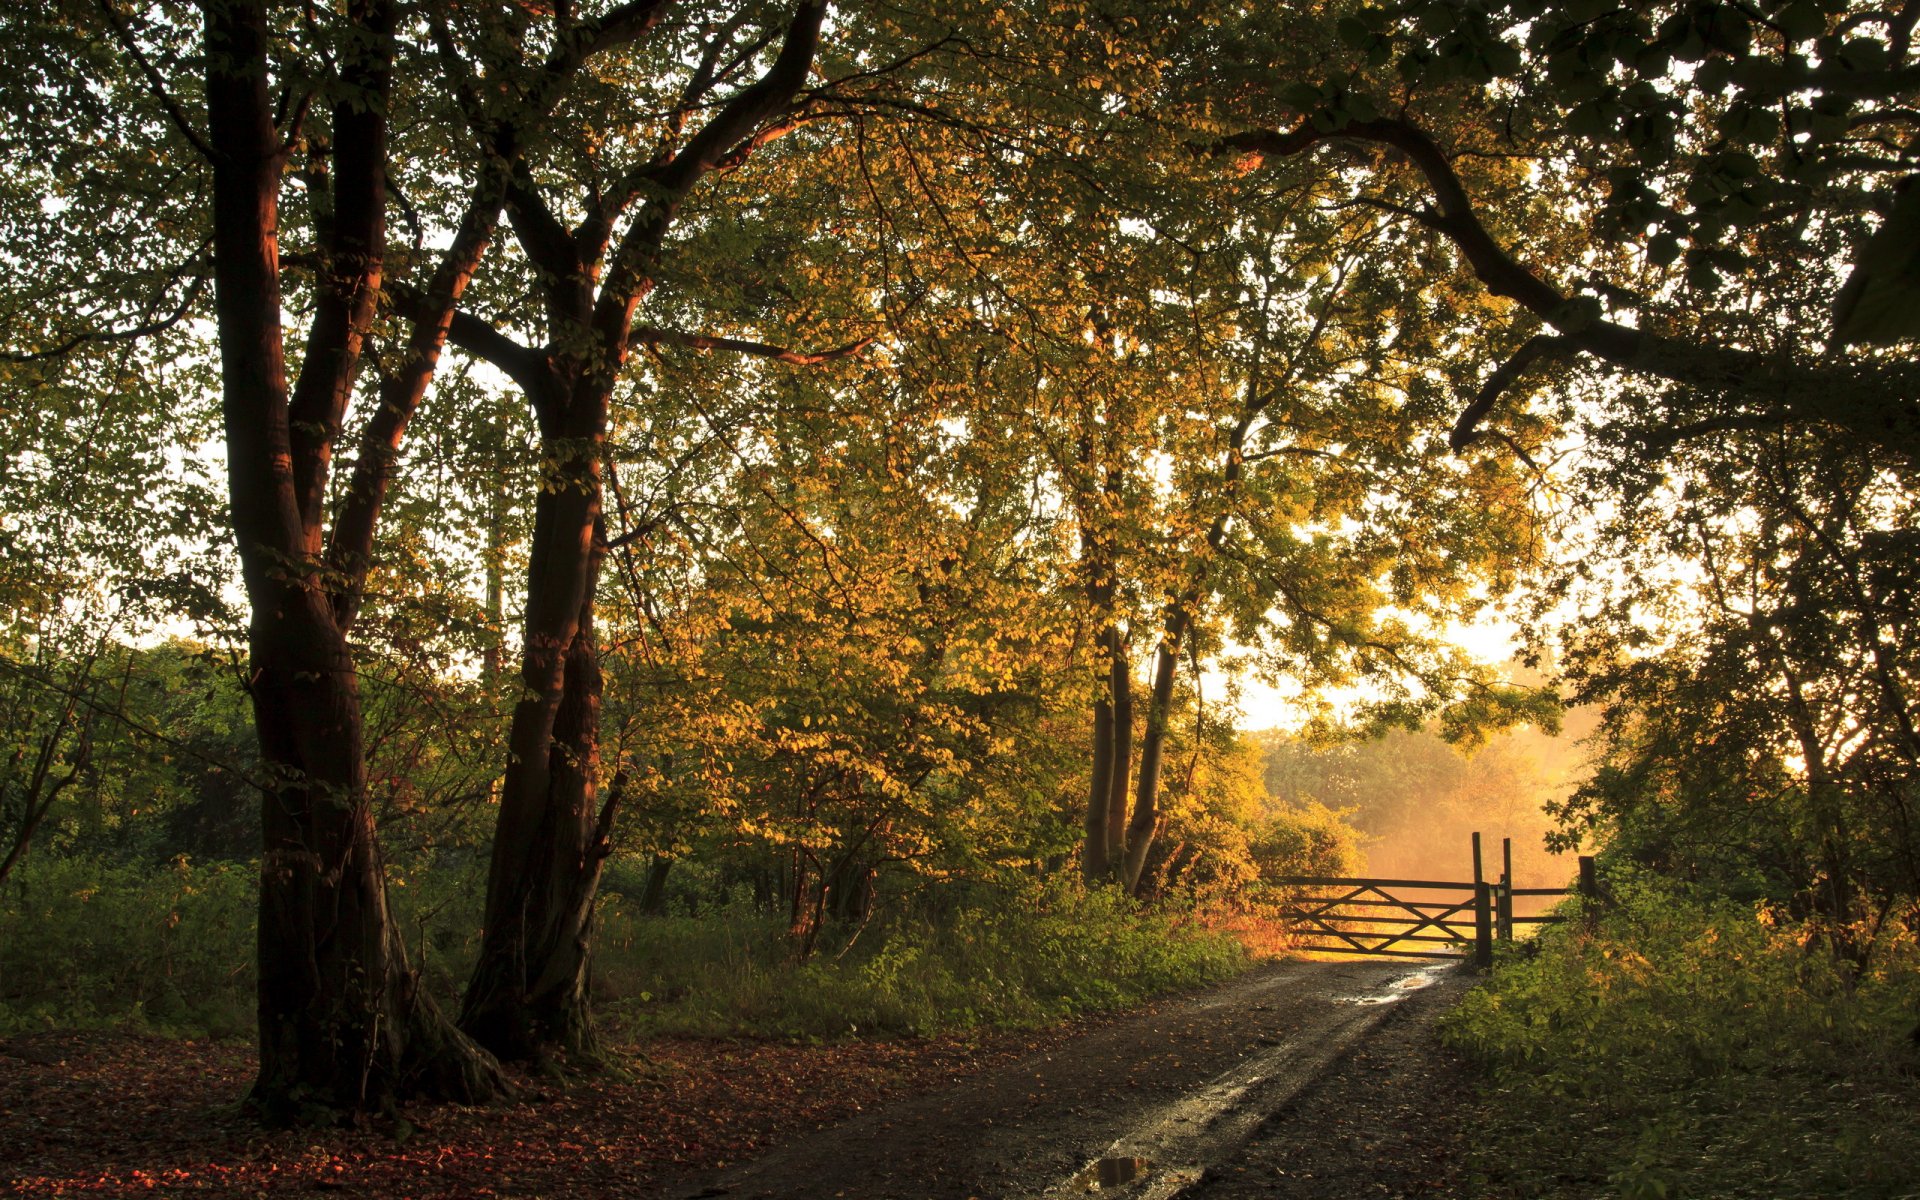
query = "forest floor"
{"x": 1313, "y": 1080}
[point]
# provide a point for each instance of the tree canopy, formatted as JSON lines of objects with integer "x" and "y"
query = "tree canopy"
{"x": 837, "y": 444}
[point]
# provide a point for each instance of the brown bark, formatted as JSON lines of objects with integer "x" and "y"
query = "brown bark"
{"x": 527, "y": 993}
{"x": 342, "y": 1023}
{"x": 1104, "y": 848}
{"x": 350, "y": 548}
{"x": 1145, "y": 821}
{"x": 1109, "y": 770}
{"x": 1094, "y": 863}
{"x": 1120, "y": 684}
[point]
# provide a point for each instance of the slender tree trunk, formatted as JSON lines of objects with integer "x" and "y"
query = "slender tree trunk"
{"x": 1120, "y": 681}
{"x": 1146, "y": 802}
{"x": 806, "y": 903}
{"x": 41, "y": 789}
{"x": 1094, "y": 864}
{"x": 1098, "y": 854}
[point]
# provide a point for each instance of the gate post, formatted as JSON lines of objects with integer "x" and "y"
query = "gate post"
{"x": 1483, "y": 925}
{"x": 1482, "y": 912}
{"x": 1504, "y": 913}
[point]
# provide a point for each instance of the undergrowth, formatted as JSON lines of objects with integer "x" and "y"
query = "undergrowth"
{"x": 88, "y": 944}
{"x": 1024, "y": 956}
{"x": 1687, "y": 1047}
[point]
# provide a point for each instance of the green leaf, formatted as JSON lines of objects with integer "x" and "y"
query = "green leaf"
{"x": 1303, "y": 96}
{"x": 1801, "y": 21}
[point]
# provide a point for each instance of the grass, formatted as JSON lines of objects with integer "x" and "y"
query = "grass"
{"x": 1693, "y": 1048}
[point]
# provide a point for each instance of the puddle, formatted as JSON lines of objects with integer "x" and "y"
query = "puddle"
{"x": 1398, "y": 989}
{"x": 1421, "y": 978}
{"x": 1104, "y": 1173}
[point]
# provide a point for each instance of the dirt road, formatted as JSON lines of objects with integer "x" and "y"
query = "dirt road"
{"x": 1170, "y": 1102}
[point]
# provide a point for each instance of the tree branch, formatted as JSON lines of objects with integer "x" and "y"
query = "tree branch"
{"x": 196, "y": 283}
{"x": 1875, "y": 400}
{"x": 654, "y": 336}
{"x": 1540, "y": 346}
{"x": 123, "y": 34}
{"x": 630, "y": 272}
{"x": 524, "y": 365}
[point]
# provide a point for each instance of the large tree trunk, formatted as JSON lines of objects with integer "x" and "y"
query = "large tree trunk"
{"x": 528, "y": 993}
{"x": 343, "y": 1026}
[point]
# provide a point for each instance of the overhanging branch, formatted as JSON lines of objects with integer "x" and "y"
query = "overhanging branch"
{"x": 654, "y": 336}
{"x": 1874, "y": 399}
{"x": 1540, "y": 346}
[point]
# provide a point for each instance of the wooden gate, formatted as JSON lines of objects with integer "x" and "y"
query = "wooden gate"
{"x": 1414, "y": 918}
{"x": 1382, "y": 916}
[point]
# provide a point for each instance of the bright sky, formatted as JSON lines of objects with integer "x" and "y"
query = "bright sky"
{"x": 1492, "y": 639}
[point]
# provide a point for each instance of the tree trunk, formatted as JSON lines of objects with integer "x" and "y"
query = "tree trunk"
{"x": 653, "y": 898}
{"x": 1098, "y": 853}
{"x": 1146, "y": 802}
{"x": 528, "y": 993}
{"x": 343, "y": 1026}
{"x": 1104, "y": 854}
{"x": 1094, "y": 864}
{"x": 40, "y": 789}
{"x": 1120, "y": 681}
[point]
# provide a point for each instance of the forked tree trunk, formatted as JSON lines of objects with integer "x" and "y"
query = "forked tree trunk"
{"x": 1145, "y": 821}
{"x": 343, "y": 1026}
{"x": 527, "y": 996}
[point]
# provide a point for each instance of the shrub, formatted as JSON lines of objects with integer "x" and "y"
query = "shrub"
{"x": 1694, "y": 1046}
{"x": 89, "y": 944}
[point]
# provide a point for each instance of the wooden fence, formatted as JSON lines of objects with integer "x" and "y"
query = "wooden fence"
{"x": 1397, "y": 917}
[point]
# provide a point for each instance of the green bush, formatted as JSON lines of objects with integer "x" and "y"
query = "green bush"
{"x": 85, "y": 944}
{"x": 1696, "y": 1047}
